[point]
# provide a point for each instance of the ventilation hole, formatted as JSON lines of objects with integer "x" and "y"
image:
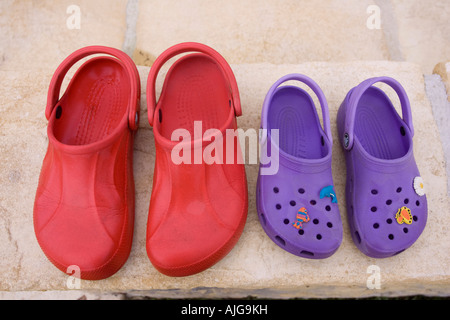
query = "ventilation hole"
{"x": 399, "y": 189}
{"x": 286, "y": 221}
{"x": 402, "y": 131}
{"x": 389, "y": 202}
{"x": 58, "y": 112}
{"x": 417, "y": 203}
{"x": 263, "y": 219}
{"x": 301, "y": 191}
{"x": 406, "y": 201}
{"x": 376, "y": 225}
{"x": 280, "y": 240}
{"x": 316, "y": 221}
{"x": 374, "y": 191}
{"x": 313, "y": 202}
{"x": 276, "y": 190}
{"x": 391, "y": 236}
{"x": 358, "y": 238}
{"x": 278, "y": 206}
{"x": 329, "y": 225}
{"x": 405, "y": 230}
{"x": 160, "y": 115}
{"x": 322, "y": 141}
{"x": 292, "y": 203}
{"x": 389, "y": 221}
{"x": 307, "y": 253}
{"x": 301, "y": 232}
{"x": 415, "y": 218}
{"x": 328, "y": 208}
{"x": 319, "y": 237}
{"x": 373, "y": 209}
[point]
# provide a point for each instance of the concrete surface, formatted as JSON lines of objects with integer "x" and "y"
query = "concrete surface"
{"x": 328, "y": 41}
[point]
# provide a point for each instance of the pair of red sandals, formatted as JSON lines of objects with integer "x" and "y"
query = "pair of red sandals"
{"x": 85, "y": 200}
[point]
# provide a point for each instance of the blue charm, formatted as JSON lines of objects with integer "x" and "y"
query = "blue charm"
{"x": 328, "y": 192}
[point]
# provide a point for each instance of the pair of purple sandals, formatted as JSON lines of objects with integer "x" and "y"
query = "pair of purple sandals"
{"x": 297, "y": 206}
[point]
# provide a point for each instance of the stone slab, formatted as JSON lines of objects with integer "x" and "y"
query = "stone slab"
{"x": 443, "y": 70}
{"x": 255, "y": 31}
{"x": 42, "y": 33}
{"x": 440, "y": 103}
{"x": 256, "y": 266}
{"x": 422, "y": 29}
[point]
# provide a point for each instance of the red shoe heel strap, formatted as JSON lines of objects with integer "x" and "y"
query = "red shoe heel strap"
{"x": 182, "y": 48}
{"x": 64, "y": 67}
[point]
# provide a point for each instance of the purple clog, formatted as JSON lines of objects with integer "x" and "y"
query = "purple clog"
{"x": 296, "y": 202}
{"x": 386, "y": 202}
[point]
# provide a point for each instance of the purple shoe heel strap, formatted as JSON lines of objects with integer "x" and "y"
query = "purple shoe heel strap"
{"x": 315, "y": 88}
{"x": 354, "y": 98}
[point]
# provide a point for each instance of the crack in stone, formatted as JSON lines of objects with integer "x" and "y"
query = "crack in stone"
{"x": 129, "y": 43}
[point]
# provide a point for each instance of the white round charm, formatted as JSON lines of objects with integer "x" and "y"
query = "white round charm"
{"x": 419, "y": 186}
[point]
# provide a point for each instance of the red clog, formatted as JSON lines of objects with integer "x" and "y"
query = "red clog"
{"x": 198, "y": 206}
{"x": 84, "y": 206}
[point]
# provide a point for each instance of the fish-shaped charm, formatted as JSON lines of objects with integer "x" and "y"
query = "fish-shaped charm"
{"x": 302, "y": 217}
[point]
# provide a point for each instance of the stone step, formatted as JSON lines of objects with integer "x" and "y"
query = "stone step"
{"x": 256, "y": 266}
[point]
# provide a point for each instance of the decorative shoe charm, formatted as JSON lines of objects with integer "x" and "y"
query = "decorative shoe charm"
{"x": 328, "y": 192}
{"x": 403, "y": 215}
{"x": 302, "y": 217}
{"x": 419, "y": 186}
